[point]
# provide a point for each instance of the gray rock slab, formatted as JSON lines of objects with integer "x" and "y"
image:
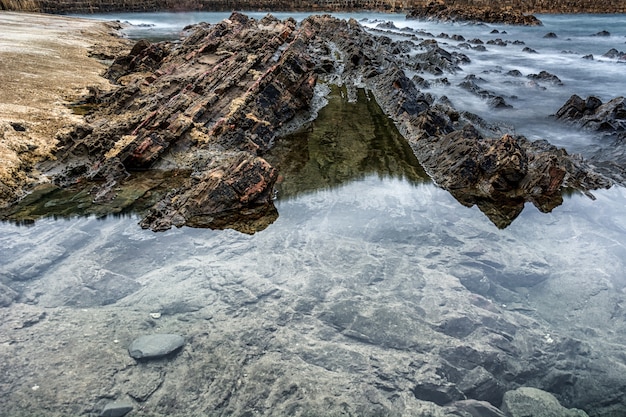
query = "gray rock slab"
{"x": 533, "y": 402}
{"x": 117, "y": 409}
{"x": 155, "y": 345}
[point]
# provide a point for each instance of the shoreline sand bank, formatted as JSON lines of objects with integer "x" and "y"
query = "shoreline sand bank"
{"x": 45, "y": 64}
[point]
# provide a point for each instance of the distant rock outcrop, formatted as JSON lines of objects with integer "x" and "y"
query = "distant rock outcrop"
{"x": 487, "y": 13}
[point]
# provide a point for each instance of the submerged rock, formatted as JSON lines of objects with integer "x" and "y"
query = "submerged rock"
{"x": 545, "y": 76}
{"x": 615, "y": 54}
{"x": 155, "y": 346}
{"x": 526, "y": 401}
{"x": 117, "y": 409}
{"x": 495, "y": 101}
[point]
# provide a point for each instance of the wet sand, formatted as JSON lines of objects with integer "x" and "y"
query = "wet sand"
{"x": 45, "y": 63}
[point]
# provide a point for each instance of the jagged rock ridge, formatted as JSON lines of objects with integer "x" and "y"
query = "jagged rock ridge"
{"x": 213, "y": 105}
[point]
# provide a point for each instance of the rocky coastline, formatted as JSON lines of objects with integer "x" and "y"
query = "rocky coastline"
{"x": 487, "y": 9}
{"x": 206, "y": 111}
{"x": 210, "y": 107}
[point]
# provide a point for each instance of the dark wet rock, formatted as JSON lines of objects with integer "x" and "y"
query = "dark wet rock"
{"x": 387, "y": 25}
{"x": 117, "y": 409}
{"x": 602, "y": 33}
{"x": 420, "y": 82}
{"x": 497, "y": 42}
{"x": 494, "y": 101}
{"x": 589, "y": 57}
{"x": 592, "y": 114}
{"x": 479, "y": 48}
{"x": 495, "y": 31}
{"x": 529, "y": 50}
{"x": 606, "y": 118}
{"x": 476, "y": 41}
{"x": 487, "y": 14}
{"x": 494, "y": 174}
{"x": 545, "y": 76}
{"x": 527, "y": 401}
{"x": 440, "y": 394}
{"x": 480, "y": 385}
{"x": 498, "y": 102}
{"x": 437, "y": 61}
{"x": 440, "y": 81}
{"x": 518, "y": 42}
{"x": 514, "y": 73}
{"x": 155, "y": 346}
{"x": 615, "y": 54}
{"x": 550, "y": 35}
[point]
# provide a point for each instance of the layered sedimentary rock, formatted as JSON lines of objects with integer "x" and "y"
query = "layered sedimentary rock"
{"x": 210, "y": 107}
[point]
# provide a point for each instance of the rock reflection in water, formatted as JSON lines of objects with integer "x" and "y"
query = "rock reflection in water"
{"x": 348, "y": 141}
{"x": 133, "y": 196}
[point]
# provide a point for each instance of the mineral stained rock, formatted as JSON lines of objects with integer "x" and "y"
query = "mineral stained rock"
{"x": 213, "y": 104}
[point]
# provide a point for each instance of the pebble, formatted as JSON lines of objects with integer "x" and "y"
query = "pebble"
{"x": 155, "y": 345}
{"x": 116, "y": 409}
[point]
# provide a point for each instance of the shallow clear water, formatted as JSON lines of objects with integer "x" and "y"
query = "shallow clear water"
{"x": 377, "y": 239}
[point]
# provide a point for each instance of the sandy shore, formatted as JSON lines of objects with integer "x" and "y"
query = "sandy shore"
{"x": 45, "y": 63}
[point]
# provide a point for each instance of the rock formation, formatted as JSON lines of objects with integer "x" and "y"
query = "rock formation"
{"x": 590, "y": 113}
{"x": 504, "y": 9}
{"x": 472, "y": 13}
{"x": 608, "y": 121}
{"x": 210, "y": 107}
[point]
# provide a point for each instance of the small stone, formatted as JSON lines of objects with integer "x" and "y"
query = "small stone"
{"x": 117, "y": 409}
{"x": 155, "y": 315}
{"x": 155, "y": 346}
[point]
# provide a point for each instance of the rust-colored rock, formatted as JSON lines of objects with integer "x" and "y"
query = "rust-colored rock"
{"x": 211, "y": 106}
